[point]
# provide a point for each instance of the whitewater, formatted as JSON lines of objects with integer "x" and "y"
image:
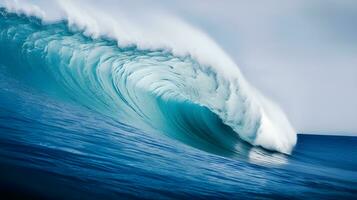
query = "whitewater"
{"x": 153, "y": 71}
{"x": 109, "y": 100}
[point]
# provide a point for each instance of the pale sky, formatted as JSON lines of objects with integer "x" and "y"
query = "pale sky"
{"x": 302, "y": 54}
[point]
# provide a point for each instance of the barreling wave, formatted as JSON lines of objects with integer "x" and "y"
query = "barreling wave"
{"x": 182, "y": 95}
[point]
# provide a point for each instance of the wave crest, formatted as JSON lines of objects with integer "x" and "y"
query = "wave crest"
{"x": 207, "y": 106}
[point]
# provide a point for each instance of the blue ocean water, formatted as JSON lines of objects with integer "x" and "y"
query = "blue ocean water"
{"x": 61, "y": 137}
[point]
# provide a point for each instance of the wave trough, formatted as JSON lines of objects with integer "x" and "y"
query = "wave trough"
{"x": 190, "y": 92}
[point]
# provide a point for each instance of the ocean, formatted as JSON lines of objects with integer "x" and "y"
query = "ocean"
{"x": 72, "y": 126}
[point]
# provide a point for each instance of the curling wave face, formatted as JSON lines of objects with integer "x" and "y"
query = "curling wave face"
{"x": 180, "y": 95}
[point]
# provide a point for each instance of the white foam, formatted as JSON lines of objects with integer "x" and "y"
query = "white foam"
{"x": 155, "y": 29}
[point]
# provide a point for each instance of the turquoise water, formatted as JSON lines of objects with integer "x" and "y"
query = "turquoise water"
{"x": 69, "y": 133}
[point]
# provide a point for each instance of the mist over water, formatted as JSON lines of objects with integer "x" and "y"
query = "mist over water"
{"x": 108, "y": 105}
{"x": 140, "y": 72}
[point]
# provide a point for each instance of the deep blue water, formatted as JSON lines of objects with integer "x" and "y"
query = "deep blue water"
{"x": 60, "y": 150}
{"x": 62, "y": 135}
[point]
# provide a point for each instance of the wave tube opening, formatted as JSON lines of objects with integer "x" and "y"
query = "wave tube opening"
{"x": 149, "y": 89}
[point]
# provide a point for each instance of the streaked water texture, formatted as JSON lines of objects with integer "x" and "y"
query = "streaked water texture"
{"x": 87, "y": 118}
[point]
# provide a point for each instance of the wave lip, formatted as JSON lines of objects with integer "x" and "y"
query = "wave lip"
{"x": 188, "y": 94}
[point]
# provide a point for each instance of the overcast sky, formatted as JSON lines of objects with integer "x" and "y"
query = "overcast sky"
{"x": 302, "y": 54}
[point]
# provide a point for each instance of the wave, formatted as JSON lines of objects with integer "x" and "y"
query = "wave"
{"x": 158, "y": 81}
